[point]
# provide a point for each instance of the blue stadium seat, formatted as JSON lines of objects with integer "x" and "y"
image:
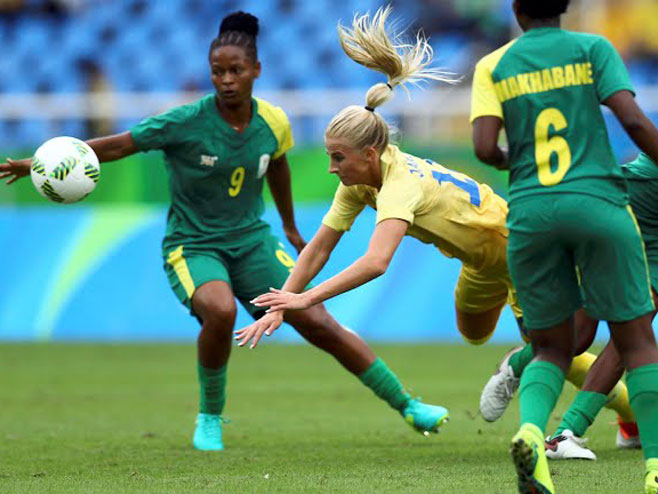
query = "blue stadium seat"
{"x": 162, "y": 46}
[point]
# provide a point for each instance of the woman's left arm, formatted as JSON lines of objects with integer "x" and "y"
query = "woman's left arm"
{"x": 485, "y": 142}
{"x": 278, "y": 178}
{"x": 384, "y": 242}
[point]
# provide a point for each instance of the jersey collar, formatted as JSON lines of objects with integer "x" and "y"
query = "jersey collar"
{"x": 538, "y": 31}
{"x": 226, "y": 128}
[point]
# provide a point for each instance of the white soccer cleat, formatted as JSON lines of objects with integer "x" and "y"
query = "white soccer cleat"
{"x": 499, "y": 390}
{"x": 628, "y": 435}
{"x": 630, "y": 442}
{"x": 566, "y": 446}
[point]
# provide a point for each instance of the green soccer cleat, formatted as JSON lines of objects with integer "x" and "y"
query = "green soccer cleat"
{"x": 529, "y": 458}
{"x": 208, "y": 432}
{"x": 423, "y": 417}
{"x": 651, "y": 482}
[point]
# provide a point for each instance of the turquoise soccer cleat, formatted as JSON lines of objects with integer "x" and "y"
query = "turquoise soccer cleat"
{"x": 208, "y": 432}
{"x": 423, "y": 417}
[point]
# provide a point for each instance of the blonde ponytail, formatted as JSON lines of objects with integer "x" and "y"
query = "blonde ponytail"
{"x": 369, "y": 43}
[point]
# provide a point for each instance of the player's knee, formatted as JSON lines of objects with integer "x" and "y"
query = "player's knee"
{"x": 473, "y": 334}
{"x": 316, "y": 325}
{"x": 219, "y": 314}
{"x": 477, "y": 328}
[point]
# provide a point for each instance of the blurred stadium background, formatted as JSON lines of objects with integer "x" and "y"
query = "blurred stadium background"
{"x": 91, "y": 67}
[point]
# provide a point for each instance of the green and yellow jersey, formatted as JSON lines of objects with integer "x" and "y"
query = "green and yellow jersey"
{"x": 215, "y": 173}
{"x": 461, "y": 217}
{"x": 547, "y": 87}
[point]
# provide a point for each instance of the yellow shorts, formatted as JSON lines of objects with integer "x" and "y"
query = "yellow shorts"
{"x": 482, "y": 290}
{"x": 484, "y": 282}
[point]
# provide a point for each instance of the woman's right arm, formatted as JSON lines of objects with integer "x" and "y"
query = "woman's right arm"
{"x": 108, "y": 148}
{"x": 312, "y": 259}
{"x": 636, "y": 124}
{"x": 114, "y": 147}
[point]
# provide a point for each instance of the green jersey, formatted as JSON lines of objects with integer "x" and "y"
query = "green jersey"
{"x": 642, "y": 169}
{"x": 547, "y": 87}
{"x": 215, "y": 173}
{"x": 642, "y": 176}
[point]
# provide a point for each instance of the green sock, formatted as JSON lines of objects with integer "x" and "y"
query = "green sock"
{"x": 212, "y": 384}
{"x": 541, "y": 385}
{"x": 385, "y": 384}
{"x": 520, "y": 360}
{"x": 582, "y": 412}
{"x": 642, "y": 385}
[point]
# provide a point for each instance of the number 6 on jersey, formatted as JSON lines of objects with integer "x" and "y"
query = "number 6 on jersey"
{"x": 545, "y": 147}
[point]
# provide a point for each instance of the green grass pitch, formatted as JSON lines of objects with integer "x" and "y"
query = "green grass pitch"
{"x": 118, "y": 418}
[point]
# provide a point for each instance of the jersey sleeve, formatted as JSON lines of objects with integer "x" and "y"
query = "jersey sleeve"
{"x": 162, "y": 130}
{"x": 278, "y": 121}
{"x": 484, "y": 100}
{"x": 399, "y": 200}
{"x": 610, "y": 73}
{"x": 344, "y": 210}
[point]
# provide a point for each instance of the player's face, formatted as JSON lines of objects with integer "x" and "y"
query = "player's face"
{"x": 233, "y": 73}
{"x": 352, "y": 166}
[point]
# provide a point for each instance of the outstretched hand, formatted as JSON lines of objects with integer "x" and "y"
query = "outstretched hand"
{"x": 15, "y": 169}
{"x": 267, "y": 324}
{"x": 282, "y": 300}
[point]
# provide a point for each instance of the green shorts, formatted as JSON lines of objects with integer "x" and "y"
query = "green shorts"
{"x": 554, "y": 238}
{"x": 258, "y": 263}
{"x": 644, "y": 201}
{"x": 651, "y": 248}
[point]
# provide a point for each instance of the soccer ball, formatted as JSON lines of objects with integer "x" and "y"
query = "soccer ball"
{"x": 65, "y": 169}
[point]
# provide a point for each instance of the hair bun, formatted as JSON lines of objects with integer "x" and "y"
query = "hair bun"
{"x": 544, "y": 9}
{"x": 241, "y": 22}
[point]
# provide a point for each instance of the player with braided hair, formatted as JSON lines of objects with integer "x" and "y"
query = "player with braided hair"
{"x": 218, "y": 151}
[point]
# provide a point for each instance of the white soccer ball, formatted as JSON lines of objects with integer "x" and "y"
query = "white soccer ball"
{"x": 65, "y": 169}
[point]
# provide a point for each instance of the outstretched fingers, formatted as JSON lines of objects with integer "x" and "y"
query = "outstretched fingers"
{"x": 266, "y": 299}
{"x": 252, "y": 333}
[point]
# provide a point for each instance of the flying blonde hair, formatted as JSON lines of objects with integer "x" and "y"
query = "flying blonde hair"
{"x": 369, "y": 43}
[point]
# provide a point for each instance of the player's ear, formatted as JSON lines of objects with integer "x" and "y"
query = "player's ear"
{"x": 257, "y": 69}
{"x": 371, "y": 154}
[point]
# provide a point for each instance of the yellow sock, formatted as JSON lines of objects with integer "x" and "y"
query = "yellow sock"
{"x": 618, "y": 401}
{"x": 579, "y": 368}
{"x": 618, "y": 397}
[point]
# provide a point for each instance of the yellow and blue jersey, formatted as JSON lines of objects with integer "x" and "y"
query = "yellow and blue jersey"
{"x": 462, "y": 218}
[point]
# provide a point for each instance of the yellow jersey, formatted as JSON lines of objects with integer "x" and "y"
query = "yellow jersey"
{"x": 462, "y": 218}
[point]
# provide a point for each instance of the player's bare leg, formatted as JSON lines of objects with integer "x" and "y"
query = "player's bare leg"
{"x": 499, "y": 390}
{"x": 477, "y": 328}
{"x": 636, "y": 345}
{"x": 541, "y": 385}
{"x": 214, "y": 304}
{"x": 319, "y": 328}
{"x": 602, "y": 387}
